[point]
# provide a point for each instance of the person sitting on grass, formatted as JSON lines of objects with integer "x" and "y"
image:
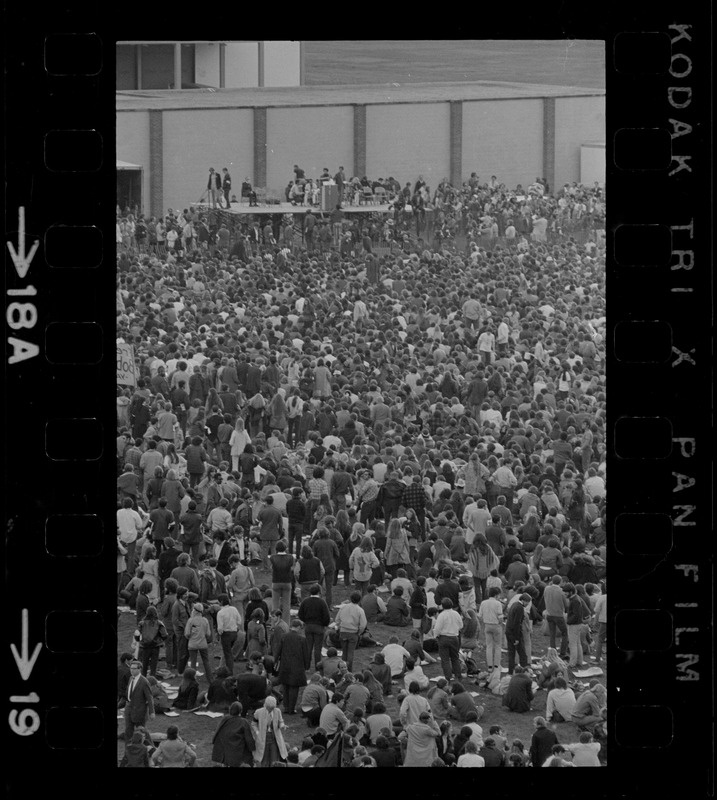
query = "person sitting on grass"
{"x": 462, "y": 703}
{"x": 519, "y": 693}
{"x": 397, "y": 613}
{"x": 415, "y": 649}
{"x": 585, "y": 752}
{"x": 174, "y": 751}
{"x": 188, "y": 691}
{"x": 415, "y": 673}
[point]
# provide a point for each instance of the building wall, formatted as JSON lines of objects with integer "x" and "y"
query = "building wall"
{"x": 133, "y": 145}
{"x": 592, "y": 164}
{"x": 577, "y": 120}
{"x": 158, "y": 65}
{"x": 281, "y": 63}
{"x": 125, "y": 67}
{"x": 409, "y": 139}
{"x": 206, "y": 64}
{"x": 193, "y": 142}
{"x": 312, "y": 137}
{"x": 241, "y": 65}
{"x": 503, "y": 138}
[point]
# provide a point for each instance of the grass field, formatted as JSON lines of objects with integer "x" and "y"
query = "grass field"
{"x": 198, "y": 730}
{"x": 555, "y": 62}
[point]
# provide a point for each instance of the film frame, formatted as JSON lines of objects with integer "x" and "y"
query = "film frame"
{"x": 59, "y": 111}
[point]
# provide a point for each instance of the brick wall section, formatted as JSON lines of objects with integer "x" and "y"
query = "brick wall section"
{"x": 156, "y": 164}
{"x": 456, "y": 142}
{"x": 260, "y": 147}
{"x": 359, "y": 141}
{"x": 549, "y": 142}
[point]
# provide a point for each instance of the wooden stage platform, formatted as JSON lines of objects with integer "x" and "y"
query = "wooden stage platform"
{"x": 244, "y": 209}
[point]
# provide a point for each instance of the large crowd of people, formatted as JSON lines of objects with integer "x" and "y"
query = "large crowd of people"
{"x": 421, "y": 430}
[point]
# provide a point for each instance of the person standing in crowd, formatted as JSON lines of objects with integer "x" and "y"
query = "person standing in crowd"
{"x": 514, "y": 632}
{"x": 314, "y": 613}
{"x": 270, "y": 520}
{"x": 269, "y": 734}
{"x": 447, "y": 632}
{"x": 140, "y": 705}
{"x": 350, "y": 624}
{"x": 229, "y": 623}
{"x": 282, "y": 566}
{"x": 199, "y": 634}
{"x": 293, "y": 661}
{"x": 233, "y": 741}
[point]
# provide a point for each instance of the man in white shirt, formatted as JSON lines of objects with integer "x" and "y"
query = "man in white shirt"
{"x": 594, "y": 484}
{"x": 129, "y": 525}
{"x": 415, "y": 673}
{"x": 395, "y": 656}
{"x": 480, "y": 518}
{"x": 468, "y": 516}
{"x": 448, "y": 627}
{"x": 503, "y": 336}
{"x": 601, "y": 619}
{"x": 486, "y": 345}
{"x": 490, "y": 614}
{"x": 220, "y": 519}
{"x": 229, "y": 622}
{"x": 350, "y": 622}
{"x": 470, "y": 757}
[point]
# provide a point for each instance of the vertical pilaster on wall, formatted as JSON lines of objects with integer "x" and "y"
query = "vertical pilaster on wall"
{"x": 359, "y": 141}
{"x": 138, "y": 64}
{"x": 177, "y": 65}
{"x": 302, "y": 64}
{"x": 222, "y": 65}
{"x": 260, "y": 52}
{"x": 260, "y": 147}
{"x": 456, "y": 142}
{"x": 156, "y": 164}
{"x": 549, "y": 142}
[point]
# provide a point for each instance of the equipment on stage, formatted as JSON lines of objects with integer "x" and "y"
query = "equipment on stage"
{"x": 329, "y": 197}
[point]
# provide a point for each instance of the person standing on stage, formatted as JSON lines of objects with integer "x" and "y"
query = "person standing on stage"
{"x": 214, "y": 188}
{"x": 226, "y": 186}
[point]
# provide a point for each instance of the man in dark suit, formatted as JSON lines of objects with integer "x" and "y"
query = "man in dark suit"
{"x": 140, "y": 704}
{"x": 123, "y": 676}
{"x": 294, "y": 659}
{"x": 514, "y": 632}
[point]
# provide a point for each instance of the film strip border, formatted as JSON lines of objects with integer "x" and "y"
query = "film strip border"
{"x": 659, "y": 310}
{"x": 59, "y": 385}
{"x": 59, "y": 287}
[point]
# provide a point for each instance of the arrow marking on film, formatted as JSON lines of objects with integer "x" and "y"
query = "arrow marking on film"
{"x": 24, "y": 663}
{"x": 19, "y": 259}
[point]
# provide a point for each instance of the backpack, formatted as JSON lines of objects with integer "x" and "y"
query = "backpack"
{"x": 471, "y": 666}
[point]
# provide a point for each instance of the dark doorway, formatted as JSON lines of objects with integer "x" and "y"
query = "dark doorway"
{"x": 129, "y": 189}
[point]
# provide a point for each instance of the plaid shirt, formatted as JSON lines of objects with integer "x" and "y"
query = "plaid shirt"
{"x": 317, "y": 487}
{"x": 370, "y": 490}
{"x": 414, "y": 497}
{"x": 132, "y": 456}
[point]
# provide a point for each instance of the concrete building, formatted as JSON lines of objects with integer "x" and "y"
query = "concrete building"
{"x": 440, "y": 130}
{"x": 219, "y": 65}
